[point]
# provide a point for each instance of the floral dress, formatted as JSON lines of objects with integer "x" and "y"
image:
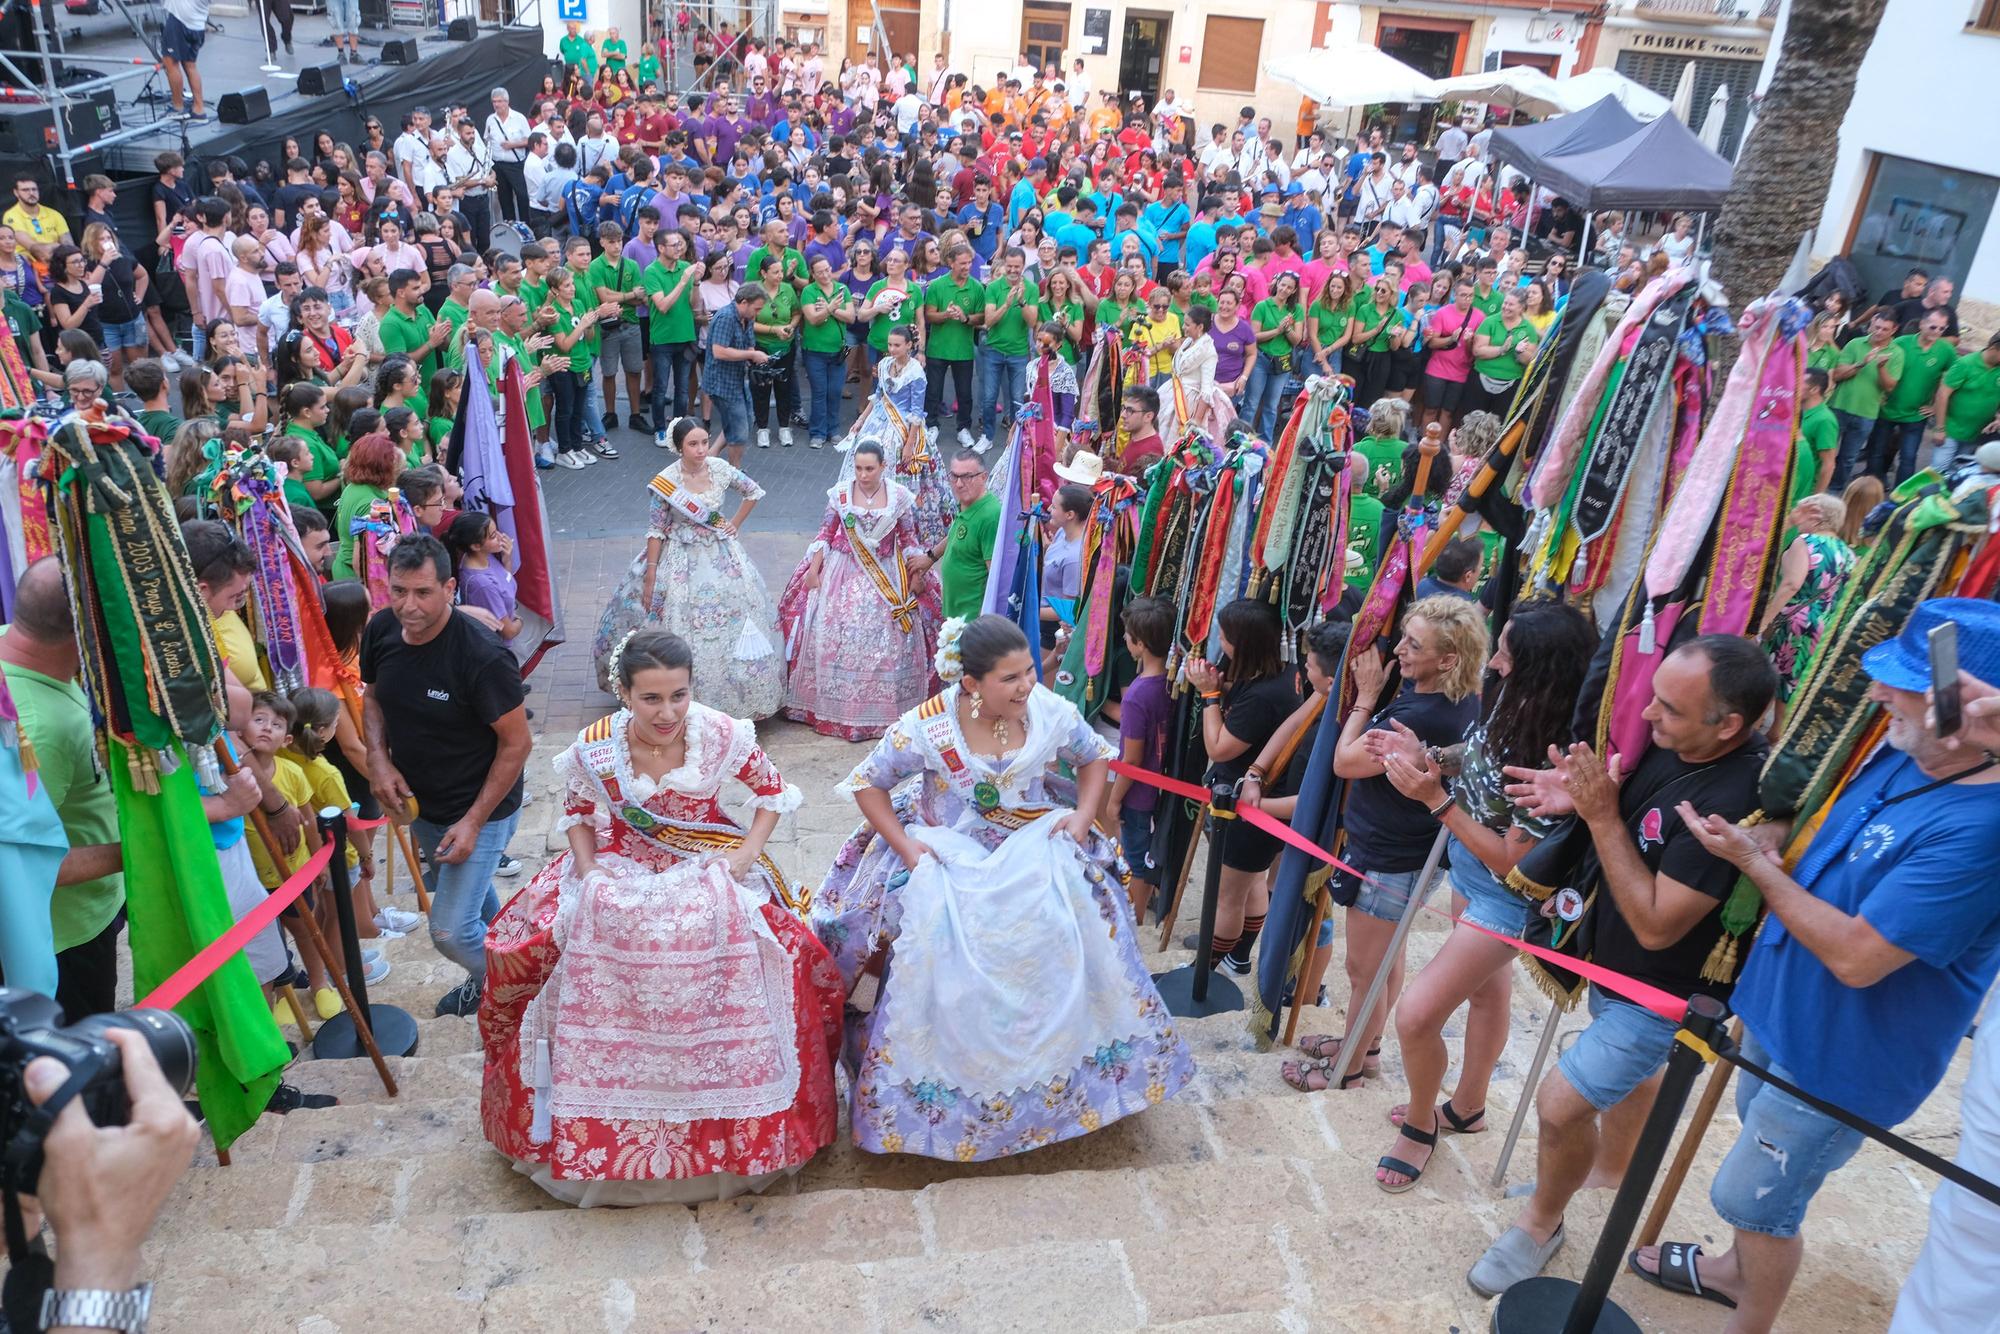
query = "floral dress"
{"x": 660, "y": 1030}
{"x": 1795, "y": 633}
{"x": 858, "y": 648}
{"x": 894, "y": 420}
{"x": 706, "y": 591}
{"x": 1014, "y": 1010}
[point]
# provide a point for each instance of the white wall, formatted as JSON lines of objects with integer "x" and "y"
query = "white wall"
{"x": 597, "y": 16}
{"x": 1509, "y": 32}
{"x": 1920, "y": 42}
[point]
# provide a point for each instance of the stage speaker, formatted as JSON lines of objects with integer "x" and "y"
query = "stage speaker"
{"x": 29, "y": 129}
{"x": 319, "y": 80}
{"x": 399, "y": 51}
{"x": 462, "y": 30}
{"x": 243, "y": 107}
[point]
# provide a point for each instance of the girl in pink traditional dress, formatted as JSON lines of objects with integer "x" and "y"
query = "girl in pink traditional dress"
{"x": 861, "y": 613}
{"x": 658, "y": 1025}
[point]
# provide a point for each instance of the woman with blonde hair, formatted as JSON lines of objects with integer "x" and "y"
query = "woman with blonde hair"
{"x": 1859, "y": 499}
{"x": 1811, "y": 574}
{"x": 121, "y": 311}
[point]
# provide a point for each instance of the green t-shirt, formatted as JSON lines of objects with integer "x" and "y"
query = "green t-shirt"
{"x": 160, "y": 424}
{"x": 582, "y": 353}
{"x": 1120, "y": 315}
{"x": 1365, "y": 315}
{"x": 439, "y": 427}
{"x": 791, "y": 266}
{"x": 649, "y": 68}
{"x": 1385, "y": 463}
{"x": 1203, "y": 299}
{"x": 22, "y": 322}
{"x": 779, "y": 308}
{"x": 577, "y": 50}
{"x": 1267, "y": 315}
{"x": 355, "y": 498}
{"x": 676, "y": 323}
{"x": 968, "y": 553}
{"x": 1011, "y": 335}
{"x": 534, "y": 296}
{"x": 620, "y": 277}
{"x": 453, "y": 312}
{"x": 1490, "y": 303}
{"x": 831, "y": 334}
{"x": 952, "y": 340}
{"x": 1975, "y": 397}
{"x": 407, "y": 334}
{"x": 614, "y": 52}
{"x": 1068, "y": 314}
{"x": 55, "y": 717}
{"x": 1922, "y": 369}
{"x": 1364, "y": 534}
{"x": 1506, "y": 366}
{"x": 322, "y": 460}
{"x": 1819, "y": 436}
{"x": 1822, "y": 358}
{"x": 1329, "y": 322}
{"x": 898, "y": 313}
{"x": 1860, "y": 394}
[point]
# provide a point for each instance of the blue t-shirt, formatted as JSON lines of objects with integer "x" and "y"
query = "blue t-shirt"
{"x": 1081, "y": 236}
{"x": 1023, "y": 198}
{"x": 987, "y": 239}
{"x": 1922, "y": 872}
{"x": 1165, "y": 216}
{"x": 1200, "y": 243}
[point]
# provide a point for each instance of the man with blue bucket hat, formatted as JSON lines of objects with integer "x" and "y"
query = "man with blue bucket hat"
{"x": 1880, "y": 944}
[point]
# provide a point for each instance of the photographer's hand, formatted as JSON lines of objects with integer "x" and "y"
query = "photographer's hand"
{"x": 102, "y": 1186}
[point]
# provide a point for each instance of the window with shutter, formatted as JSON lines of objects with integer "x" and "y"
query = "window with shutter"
{"x": 1229, "y": 51}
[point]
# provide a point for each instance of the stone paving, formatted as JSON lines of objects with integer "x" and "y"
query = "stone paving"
{"x": 1240, "y": 1206}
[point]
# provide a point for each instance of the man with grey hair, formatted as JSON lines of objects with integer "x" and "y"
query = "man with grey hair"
{"x": 507, "y": 141}
{"x": 460, "y": 283}
{"x": 732, "y": 351}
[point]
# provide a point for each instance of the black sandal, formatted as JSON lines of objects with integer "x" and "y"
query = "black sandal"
{"x": 286, "y": 1099}
{"x": 1415, "y": 1136}
{"x": 1677, "y": 1272}
{"x": 1454, "y": 1124}
{"x": 1299, "y": 1074}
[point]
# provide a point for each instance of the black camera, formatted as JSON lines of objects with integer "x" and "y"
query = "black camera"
{"x": 30, "y": 1026}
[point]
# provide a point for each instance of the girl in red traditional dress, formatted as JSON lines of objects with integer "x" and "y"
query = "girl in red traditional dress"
{"x": 658, "y": 1024}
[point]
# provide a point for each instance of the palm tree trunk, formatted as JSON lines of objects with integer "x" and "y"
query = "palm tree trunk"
{"x": 1783, "y": 174}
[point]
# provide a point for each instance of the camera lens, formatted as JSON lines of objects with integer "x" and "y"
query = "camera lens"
{"x": 169, "y": 1036}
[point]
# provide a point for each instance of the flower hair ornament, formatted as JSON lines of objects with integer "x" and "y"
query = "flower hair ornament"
{"x": 618, "y": 660}
{"x": 949, "y": 667}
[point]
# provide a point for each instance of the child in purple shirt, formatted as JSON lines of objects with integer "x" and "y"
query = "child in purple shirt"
{"x": 480, "y": 551}
{"x": 1143, "y": 717}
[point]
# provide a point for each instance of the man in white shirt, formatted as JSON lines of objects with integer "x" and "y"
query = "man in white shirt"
{"x": 1025, "y": 71}
{"x": 548, "y": 202}
{"x": 1374, "y": 191}
{"x": 1274, "y": 163}
{"x": 1401, "y": 209}
{"x": 1425, "y": 197}
{"x": 554, "y": 125}
{"x": 1450, "y": 145}
{"x": 274, "y": 313}
{"x": 1318, "y": 176}
{"x": 596, "y": 148}
{"x": 906, "y": 109}
{"x": 1079, "y": 86}
{"x": 534, "y": 170}
{"x": 412, "y": 148}
{"x": 940, "y": 76}
{"x": 756, "y": 65}
{"x": 1483, "y": 141}
{"x": 430, "y": 173}
{"x": 507, "y": 146}
{"x": 1217, "y": 151}
{"x": 812, "y": 71}
{"x": 468, "y": 169}
{"x": 1468, "y": 172}
{"x": 1310, "y": 155}
{"x": 1407, "y": 167}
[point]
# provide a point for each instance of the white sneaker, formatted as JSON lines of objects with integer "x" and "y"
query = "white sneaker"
{"x": 763, "y": 437}
{"x": 660, "y": 440}
{"x": 376, "y": 970}
{"x": 586, "y": 456}
{"x": 387, "y": 932}
{"x": 396, "y": 919}
{"x": 930, "y": 434}
{"x": 785, "y": 436}
{"x": 815, "y": 442}
{"x": 981, "y": 445}
{"x": 965, "y": 438}
{"x": 570, "y": 458}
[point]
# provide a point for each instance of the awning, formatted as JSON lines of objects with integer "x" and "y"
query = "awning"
{"x": 1350, "y": 74}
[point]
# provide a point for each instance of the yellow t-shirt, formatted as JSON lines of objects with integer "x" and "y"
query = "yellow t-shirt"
{"x": 46, "y": 227}
{"x": 232, "y": 639}
{"x": 290, "y": 780}
{"x": 1157, "y": 333}
{"x": 328, "y": 789}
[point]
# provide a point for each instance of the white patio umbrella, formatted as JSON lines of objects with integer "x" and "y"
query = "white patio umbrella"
{"x": 1683, "y": 100}
{"x": 1351, "y": 74}
{"x": 1715, "y": 118}
{"x": 1594, "y": 85}
{"x": 1521, "y": 87}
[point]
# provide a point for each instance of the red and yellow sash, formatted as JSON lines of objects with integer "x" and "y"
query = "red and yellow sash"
{"x": 978, "y": 794}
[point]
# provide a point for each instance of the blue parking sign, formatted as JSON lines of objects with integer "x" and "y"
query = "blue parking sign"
{"x": 571, "y": 11}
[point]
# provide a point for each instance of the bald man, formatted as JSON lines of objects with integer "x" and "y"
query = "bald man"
{"x": 38, "y": 654}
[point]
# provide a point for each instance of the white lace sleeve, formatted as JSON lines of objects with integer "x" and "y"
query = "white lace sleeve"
{"x": 579, "y": 796}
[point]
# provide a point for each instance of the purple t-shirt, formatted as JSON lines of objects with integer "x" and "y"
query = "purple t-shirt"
{"x": 1232, "y": 349}
{"x": 490, "y": 589}
{"x": 832, "y": 251}
{"x": 1143, "y": 716}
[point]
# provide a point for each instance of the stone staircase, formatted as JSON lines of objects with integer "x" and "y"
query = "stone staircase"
{"x": 1240, "y": 1205}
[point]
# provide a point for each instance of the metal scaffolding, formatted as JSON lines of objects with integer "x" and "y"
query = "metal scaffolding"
{"x": 44, "y": 89}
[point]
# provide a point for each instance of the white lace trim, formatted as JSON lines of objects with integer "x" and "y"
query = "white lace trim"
{"x": 783, "y": 802}
{"x": 699, "y": 774}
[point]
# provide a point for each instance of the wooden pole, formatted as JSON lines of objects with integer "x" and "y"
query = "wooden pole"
{"x": 291, "y": 998}
{"x": 1482, "y": 482}
{"x": 303, "y": 921}
{"x": 1704, "y": 1112}
{"x": 1180, "y": 881}
{"x": 397, "y": 831}
{"x": 1298, "y": 983}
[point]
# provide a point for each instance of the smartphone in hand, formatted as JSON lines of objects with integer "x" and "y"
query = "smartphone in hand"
{"x": 1947, "y": 707}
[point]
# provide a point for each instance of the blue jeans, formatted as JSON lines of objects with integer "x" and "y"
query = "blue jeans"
{"x": 1852, "y": 459}
{"x": 1892, "y": 449}
{"x": 1268, "y": 382}
{"x": 826, "y": 372}
{"x": 463, "y": 900}
{"x": 672, "y": 362}
{"x": 1003, "y": 382}
{"x": 593, "y": 409}
{"x": 1785, "y": 1151}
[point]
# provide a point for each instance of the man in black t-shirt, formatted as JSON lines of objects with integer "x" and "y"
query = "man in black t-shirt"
{"x": 446, "y": 725}
{"x": 1656, "y": 916}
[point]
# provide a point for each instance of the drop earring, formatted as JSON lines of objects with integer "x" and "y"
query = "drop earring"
{"x": 975, "y": 708}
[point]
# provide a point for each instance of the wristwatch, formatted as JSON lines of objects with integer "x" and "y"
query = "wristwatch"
{"x": 96, "y": 1308}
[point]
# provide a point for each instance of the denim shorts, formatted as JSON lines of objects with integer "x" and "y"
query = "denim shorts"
{"x": 344, "y": 15}
{"x": 132, "y": 333}
{"x": 1488, "y": 902}
{"x": 1385, "y": 894}
{"x": 1623, "y": 1048}
{"x": 732, "y": 417}
{"x": 1786, "y": 1149}
{"x": 1135, "y": 839}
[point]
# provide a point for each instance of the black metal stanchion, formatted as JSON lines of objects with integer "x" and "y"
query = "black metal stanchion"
{"x": 394, "y": 1030}
{"x": 1196, "y": 989}
{"x": 1543, "y": 1304}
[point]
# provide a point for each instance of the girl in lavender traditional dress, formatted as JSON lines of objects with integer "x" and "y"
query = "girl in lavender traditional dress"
{"x": 694, "y": 580}
{"x": 1013, "y": 1009}
{"x": 861, "y": 612}
{"x": 894, "y": 420}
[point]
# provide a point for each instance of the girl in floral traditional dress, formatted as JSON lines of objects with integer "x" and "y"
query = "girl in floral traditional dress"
{"x": 658, "y": 1025}
{"x": 861, "y": 612}
{"x": 694, "y": 579}
{"x": 1014, "y": 1010}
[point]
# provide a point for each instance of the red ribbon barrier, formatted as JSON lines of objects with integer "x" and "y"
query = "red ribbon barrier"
{"x": 1663, "y": 1003}
{"x": 198, "y": 969}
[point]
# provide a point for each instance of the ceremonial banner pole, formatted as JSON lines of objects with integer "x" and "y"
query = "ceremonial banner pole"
{"x": 1357, "y": 1016}
{"x": 1527, "y": 1093}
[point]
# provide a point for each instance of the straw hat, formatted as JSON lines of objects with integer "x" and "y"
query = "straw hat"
{"x": 1086, "y": 469}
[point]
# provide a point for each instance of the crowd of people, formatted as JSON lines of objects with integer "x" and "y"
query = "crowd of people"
{"x": 729, "y": 263}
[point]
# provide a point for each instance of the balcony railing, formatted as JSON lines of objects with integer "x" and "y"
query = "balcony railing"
{"x": 1763, "y": 12}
